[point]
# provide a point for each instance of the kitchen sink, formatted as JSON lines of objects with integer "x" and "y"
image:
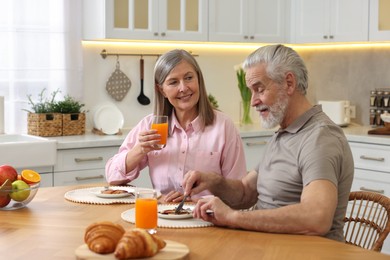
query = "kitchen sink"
{"x": 22, "y": 151}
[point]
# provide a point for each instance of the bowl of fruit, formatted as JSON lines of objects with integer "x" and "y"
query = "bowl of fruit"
{"x": 17, "y": 190}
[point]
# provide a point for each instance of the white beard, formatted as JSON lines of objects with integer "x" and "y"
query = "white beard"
{"x": 276, "y": 112}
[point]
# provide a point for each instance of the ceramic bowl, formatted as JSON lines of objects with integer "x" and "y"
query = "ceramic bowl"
{"x": 24, "y": 198}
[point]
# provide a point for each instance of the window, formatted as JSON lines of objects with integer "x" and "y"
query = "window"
{"x": 40, "y": 48}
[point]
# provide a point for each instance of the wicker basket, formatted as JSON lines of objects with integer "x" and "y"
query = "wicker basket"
{"x": 73, "y": 124}
{"x": 45, "y": 124}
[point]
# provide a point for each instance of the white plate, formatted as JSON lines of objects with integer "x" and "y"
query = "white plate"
{"x": 98, "y": 193}
{"x": 166, "y": 216}
{"x": 109, "y": 119}
{"x": 112, "y": 196}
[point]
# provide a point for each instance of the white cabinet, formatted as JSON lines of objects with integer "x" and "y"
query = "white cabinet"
{"x": 146, "y": 19}
{"x": 316, "y": 21}
{"x": 379, "y": 20}
{"x": 247, "y": 20}
{"x": 254, "y": 148}
{"x": 372, "y": 171}
{"x": 80, "y": 166}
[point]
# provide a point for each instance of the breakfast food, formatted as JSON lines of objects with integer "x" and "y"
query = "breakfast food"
{"x": 102, "y": 237}
{"x": 173, "y": 212}
{"x": 106, "y": 237}
{"x": 138, "y": 243}
{"x": 111, "y": 191}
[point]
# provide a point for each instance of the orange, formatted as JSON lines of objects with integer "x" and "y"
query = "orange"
{"x": 30, "y": 176}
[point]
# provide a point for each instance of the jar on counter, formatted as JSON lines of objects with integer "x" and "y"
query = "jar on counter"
{"x": 372, "y": 98}
{"x": 378, "y": 119}
{"x": 386, "y": 97}
{"x": 379, "y": 98}
{"x": 372, "y": 118}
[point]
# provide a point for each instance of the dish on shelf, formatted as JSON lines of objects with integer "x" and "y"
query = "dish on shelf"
{"x": 108, "y": 119}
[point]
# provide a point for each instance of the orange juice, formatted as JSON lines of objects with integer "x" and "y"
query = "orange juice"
{"x": 146, "y": 213}
{"x": 162, "y": 129}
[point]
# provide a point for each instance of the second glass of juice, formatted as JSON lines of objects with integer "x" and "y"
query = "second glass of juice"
{"x": 146, "y": 209}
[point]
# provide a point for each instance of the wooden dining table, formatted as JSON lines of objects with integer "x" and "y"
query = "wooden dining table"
{"x": 52, "y": 227}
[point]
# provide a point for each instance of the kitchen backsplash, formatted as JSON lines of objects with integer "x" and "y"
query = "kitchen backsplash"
{"x": 334, "y": 74}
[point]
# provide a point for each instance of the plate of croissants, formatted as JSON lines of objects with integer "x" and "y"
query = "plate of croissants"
{"x": 108, "y": 240}
{"x": 113, "y": 193}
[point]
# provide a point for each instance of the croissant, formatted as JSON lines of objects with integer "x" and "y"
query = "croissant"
{"x": 138, "y": 243}
{"x": 102, "y": 237}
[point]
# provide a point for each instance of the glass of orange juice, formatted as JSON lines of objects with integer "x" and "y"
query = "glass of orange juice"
{"x": 160, "y": 123}
{"x": 146, "y": 209}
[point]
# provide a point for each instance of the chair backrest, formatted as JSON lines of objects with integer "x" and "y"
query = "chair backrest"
{"x": 367, "y": 221}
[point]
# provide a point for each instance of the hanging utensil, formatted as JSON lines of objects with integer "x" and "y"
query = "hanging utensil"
{"x": 118, "y": 84}
{"x": 142, "y": 99}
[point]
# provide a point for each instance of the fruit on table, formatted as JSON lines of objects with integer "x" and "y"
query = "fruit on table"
{"x": 30, "y": 176}
{"x": 7, "y": 172}
{"x": 20, "y": 191}
{"x": 4, "y": 200}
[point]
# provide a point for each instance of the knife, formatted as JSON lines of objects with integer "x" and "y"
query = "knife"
{"x": 180, "y": 207}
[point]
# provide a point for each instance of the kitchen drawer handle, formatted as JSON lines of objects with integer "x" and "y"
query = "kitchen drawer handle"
{"x": 88, "y": 159}
{"x": 256, "y": 143}
{"x": 372, "y": 190}
{"x": 379, "y": 159}
{"x": 89, "y": 178}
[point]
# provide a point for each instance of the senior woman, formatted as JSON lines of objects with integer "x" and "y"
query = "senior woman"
{"x": 200, "y": 137}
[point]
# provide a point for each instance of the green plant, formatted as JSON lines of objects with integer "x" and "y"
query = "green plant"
{"x": 68, "y": 106}
{"x": 43, "y": 105}
{"x": 213, "y": 101}
{"x": 246, "y": 96}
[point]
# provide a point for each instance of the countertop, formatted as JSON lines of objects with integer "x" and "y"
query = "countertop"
{"x": 353, "y": 132}
{"x": 51, "y": 227}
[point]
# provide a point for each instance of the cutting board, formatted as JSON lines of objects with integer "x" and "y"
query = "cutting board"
{"x": 173, "y": 250}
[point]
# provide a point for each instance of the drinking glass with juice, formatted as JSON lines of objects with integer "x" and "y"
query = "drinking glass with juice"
{"x": 146, "y": 210}
{"x": 160, "y": 123}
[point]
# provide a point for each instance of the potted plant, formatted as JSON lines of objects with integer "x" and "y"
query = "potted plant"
{"x": 48, "y": 117}
{"x": 73, "y": 118}
{"x": 42, "y": 119}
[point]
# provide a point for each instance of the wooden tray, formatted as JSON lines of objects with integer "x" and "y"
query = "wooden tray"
{"x": 173, "y": 250}
{"x": 379, "y": 131}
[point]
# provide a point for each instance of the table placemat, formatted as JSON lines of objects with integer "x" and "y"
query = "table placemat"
{"x": 129, "y": 216}
{"x": 89, "y": 196}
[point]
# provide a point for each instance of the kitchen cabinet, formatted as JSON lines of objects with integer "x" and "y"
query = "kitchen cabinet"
{"x": 319, "y": 21}
{"x": 82, "y": 165}
{"x": 248, "y": 20}
{"x": 379, "y": 20}
{"x": 372, "y": 171}
{"x": 179, "y": 20}
{"x": 254, "y": 148}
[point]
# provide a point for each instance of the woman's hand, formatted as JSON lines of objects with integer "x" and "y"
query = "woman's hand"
{"x": 173, "y": 196}
{"x": 148, "y": 141}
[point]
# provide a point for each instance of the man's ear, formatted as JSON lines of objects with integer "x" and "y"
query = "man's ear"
{"x": 291, "y": 83}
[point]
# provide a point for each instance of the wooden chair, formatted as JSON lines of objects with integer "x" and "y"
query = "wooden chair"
{"x": 367, "y": 221}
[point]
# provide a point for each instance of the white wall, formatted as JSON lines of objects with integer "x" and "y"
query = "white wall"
{"x": 334, "y": 74}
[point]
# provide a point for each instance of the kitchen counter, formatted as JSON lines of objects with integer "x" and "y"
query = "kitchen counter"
{"x": 52, "y": 228}
{"x": 354, "y": 133}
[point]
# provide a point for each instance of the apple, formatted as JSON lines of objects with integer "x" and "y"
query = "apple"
{"x": 4, "y": 200}
{"x": 7, "y": 173}
{"x": 20, "y": 189}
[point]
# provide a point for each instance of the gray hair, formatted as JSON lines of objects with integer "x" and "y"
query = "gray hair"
{"x": 279, "y": 60}
{"x": 165, "y": 64}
